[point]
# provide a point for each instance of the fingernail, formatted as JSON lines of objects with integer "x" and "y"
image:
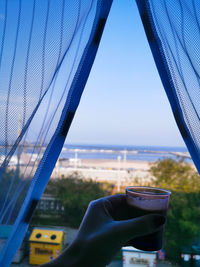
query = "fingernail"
{"x": 158, "y": 220}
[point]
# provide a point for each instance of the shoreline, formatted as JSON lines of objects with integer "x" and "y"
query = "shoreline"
{"x": 108, "y": 164}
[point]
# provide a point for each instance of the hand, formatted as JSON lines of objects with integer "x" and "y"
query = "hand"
{"x": 109, "y": 223}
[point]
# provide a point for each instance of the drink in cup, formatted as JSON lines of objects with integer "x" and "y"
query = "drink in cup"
{"x": 147, "y": 200}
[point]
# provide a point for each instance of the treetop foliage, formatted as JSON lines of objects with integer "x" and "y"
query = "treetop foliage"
{"x": 183, "y": 218}
{"x": 174, "y": 175}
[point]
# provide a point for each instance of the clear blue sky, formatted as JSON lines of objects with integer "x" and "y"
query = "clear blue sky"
{"x": 124, "y": 102}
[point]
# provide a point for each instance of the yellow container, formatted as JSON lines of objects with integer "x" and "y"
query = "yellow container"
{"x": 45, "y": 245}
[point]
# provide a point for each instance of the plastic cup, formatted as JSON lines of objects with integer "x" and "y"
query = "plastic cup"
{"x": 147, "y": 200}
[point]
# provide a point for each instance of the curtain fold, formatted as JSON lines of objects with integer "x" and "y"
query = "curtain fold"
{"x": 173, "y": 32}
{"x": 47, "y": 48}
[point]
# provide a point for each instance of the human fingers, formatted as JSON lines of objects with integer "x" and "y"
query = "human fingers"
{"x": 139, "y": 226}
{"x": 118, "y": 207}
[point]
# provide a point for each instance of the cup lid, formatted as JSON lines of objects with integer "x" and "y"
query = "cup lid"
{"x": 148, "y": 190}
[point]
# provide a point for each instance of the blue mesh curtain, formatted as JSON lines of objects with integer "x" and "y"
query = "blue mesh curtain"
{"x": 47, "y": 48}
{"x": 173, "y": 32}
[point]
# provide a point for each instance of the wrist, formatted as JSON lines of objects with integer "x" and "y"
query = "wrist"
{"x": 73, "y": 255}
{"x": 77, "y": 255}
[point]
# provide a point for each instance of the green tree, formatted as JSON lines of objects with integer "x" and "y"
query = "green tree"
{"x": 178, "y": 176}
{"x": 75, "y": 194}
{"x": 184, "y": 213}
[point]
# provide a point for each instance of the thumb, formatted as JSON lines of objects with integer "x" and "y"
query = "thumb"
{"x": 140, "y": 226}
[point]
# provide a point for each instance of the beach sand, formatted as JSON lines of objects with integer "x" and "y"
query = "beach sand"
{"x": 129, "y": 172}
{"x": 114, "y": 164}
{"x": 109, "y": 170}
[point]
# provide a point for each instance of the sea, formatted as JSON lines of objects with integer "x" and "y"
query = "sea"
{"x": 123, "y": 152}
